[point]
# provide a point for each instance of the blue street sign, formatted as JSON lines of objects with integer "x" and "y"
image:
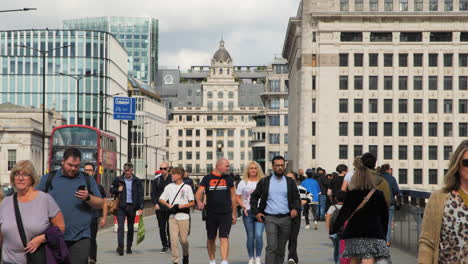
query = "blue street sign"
{"x": 124, "y": 108}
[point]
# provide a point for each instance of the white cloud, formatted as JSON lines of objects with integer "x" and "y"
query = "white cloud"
{"x": 184, "y": 59}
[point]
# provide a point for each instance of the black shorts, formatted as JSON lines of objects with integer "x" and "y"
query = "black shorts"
{"x": 214, "y": 221}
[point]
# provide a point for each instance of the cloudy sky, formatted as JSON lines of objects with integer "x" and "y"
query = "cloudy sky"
{"x": 190, "y": 30}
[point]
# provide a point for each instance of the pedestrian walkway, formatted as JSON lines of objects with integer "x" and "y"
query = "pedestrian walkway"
{"x": 314, "y": 247}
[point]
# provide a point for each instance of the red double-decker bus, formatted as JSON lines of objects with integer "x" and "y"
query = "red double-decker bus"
{"x": 96, "y": 147}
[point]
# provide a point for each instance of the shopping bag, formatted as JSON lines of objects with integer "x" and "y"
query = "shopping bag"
{"x": 141, "y": 230}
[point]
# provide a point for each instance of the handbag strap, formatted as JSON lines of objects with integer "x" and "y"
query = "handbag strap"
{"x": 216, "y": 186}
{"x": 364, "y": 201}
{"x": 19, "y": 222}
{"x": 177, "y": 194}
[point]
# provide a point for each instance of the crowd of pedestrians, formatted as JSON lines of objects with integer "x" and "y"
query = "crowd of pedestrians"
{"x": 357, "y": 205}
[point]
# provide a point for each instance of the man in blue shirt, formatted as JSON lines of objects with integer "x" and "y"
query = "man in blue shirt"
{"x": 312, "y": 187}
{"x": 76, "y": 196}
{"x": 276, "y": 201}
{"x": 129, "y": 189}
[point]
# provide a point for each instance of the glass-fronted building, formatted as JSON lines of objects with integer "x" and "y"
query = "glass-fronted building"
{"x": 139, "y": 36}
{"x": 87, "y": 52}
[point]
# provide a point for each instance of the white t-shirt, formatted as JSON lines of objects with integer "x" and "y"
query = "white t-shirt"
{"x": 184, "y": 197}
{"x": 348, "y": 176}
{"x": 333, "y": 208}
{"x": 245, "y": 189}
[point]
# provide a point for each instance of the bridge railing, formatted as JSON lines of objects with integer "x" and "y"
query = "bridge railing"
{"x": 408, "y": 220}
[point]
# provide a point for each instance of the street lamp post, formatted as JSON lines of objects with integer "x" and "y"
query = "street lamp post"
{"x": 146, "y": 161}
{"x": 18, "y": 10}
{"x": 43, "y": 55}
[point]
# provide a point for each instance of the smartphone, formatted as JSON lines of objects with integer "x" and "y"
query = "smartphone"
{"x": 81, "y": 188}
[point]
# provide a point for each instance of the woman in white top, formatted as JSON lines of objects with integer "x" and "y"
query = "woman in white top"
{"x": 252, "y": 174}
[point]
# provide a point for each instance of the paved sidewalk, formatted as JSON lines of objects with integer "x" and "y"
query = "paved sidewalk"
{"x": 314, "y": 246}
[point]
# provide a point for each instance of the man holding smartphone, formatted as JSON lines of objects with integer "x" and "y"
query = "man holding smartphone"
{"x": 130, "y": 191}
{"x": 78, "y": 197}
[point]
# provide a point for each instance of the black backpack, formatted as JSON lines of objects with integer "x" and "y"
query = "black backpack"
{"x": 51, "y": 176}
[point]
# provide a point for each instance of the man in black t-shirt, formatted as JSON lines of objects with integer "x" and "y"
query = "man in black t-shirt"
{"x": 220, "y": 203}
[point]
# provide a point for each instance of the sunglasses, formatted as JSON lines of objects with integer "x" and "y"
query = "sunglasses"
{"x": 464, "y": 162}
{"x": 163, "y": 168}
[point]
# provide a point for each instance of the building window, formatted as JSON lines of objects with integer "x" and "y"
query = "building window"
{"x": 417, "y": 83}
{"x": 220, "y": 132}
{"x": 374, "y": 150}
{"x": 463, "y": 83}
{"x": 402, "y": 106}
{"x": 463, "y": 59}
{"x": 447, "y": 152}
{"x": 373, "y": 82}
{"x": 351, "y": 36}
{"x": 343, "y": 152}
{"x": 343, "y": 82}
{"x": 417, "y": 129}
{"x": 388, "y": 5}
{"x": 274, "y": 120}
{"x": 433, "y": 106}
{"x": 209, "y": 132}
{"x": 433, "y": 5}
{"x": 358, "y": 82}
{"x": 448, "y": 106}
{"x": 403, "y": 176}
{"x": 274, "y": 85}
{"x": 314, "y": 104}
{"x": 403, "y": 5}
{"x": 388, "y": 106}
{"x": 418, "y": 177}
{"x": 188, "y": 143}
{"x": 210, "y": 95}
{"x": 432, "y": 152}
{"x": 373, "y": 129}
{"x": 343, "y": 106}
{"x": 448, "y": 60}
{"x": 274, "y": 138}
{"x": 343, "y": 129}
{"x": 448, "y": 5}
{"x": 197, "y": 143}
{"x": 417, "y": 152}
{"x": 358, "y": 60}
{"x": 286, "y": 120}
{"x": 418, "y": 5}
{"x": 448, "y": 83}
{"x": 388, "y": 129}
{"x": 11, "y": 159}
{"x": 357, "y": 105}
{"x": 388, "y": 82}
{"x": 388, "y": 152}
{"x": 231, "y": 95}
{"x": 275, "y": 103}
{"x": 344, "y": 59}
{"x": 463, "y": 5}
{"x": 432, "y": 176}
{"x": 411, "y": 37}
{"x": 314, "y": 126}
{"x": 402, "y": 152}
{"x": 358, "y": 149}
{"x": 374, "y": 5}
{"x": 344, "y": 5}
{"x": 373, "y": 106}
{"x": 209, "y": 155}
{"x": 181, "y": 133}
{"x": 433, "y": 59}
{"x": 448, "y": 129}
{"x": 403, "y": 60}
{"x": 463, "y": 36}
{"x": 417, "y": 60}
{"x": 358, "y": 5}
{"x": 209, "y": 143}
{"x": 463, "y": 106}
{"x": 314, "y": 82}
{"x": 358, "y": 127}
{"x": 417, "y": 106}
{"x": 433, "y": 83}
{"x": 432, "y": 129}
{"x": 441, "y": 36}
{"x": 220, "y": 94}
{"x": 210, "y": 105}
{"x": 180, "y": 143}
{"x": 388, "y": 60}
{"x": 463, "y": 129}
{"x": 230, "y": 132}
{"x": 402, "y": 129}
{"x": 381, "y": 36}
{"x": 220, "y": 106}
{"x": 286, "y": 141}
{"x": 373, "y": 59}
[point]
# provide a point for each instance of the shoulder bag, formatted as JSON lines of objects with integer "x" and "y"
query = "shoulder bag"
{"x": 205, "y": 209}
{"x": 175, "y": 210}
{"x": 39, "y": 256}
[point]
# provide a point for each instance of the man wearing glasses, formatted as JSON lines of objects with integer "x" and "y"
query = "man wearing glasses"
{"x": 162, "y": 213}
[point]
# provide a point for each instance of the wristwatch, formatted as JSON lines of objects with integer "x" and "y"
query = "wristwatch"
{"x": 88, "y": 198}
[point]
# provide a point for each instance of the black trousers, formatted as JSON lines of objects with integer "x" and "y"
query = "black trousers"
{"x": 128, "y": 212}
{"x": 163, "y": 224}
{"x": 306, "y": 213}
{"x": 79, "y": 251}
{"x": 292, "y": 243}
{"x": 93, "y": 247}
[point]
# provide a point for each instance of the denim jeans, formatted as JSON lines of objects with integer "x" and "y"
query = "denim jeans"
{"x": 321, "y": 206}
{"x": 391, "y": 213}
{"x": 336, "y": 248}
{"x": 254, "y": 232}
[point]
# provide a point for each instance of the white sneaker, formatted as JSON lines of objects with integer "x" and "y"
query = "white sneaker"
{"x": 224, "y": 262}
{"x": 307, "y": 227}
{"x": 291, "y": 261}
{"x": 315, "y": 225}
{"x": 212, "y": 261}
{"x": 251, "y": 261}
{"x": 258, "y": 260}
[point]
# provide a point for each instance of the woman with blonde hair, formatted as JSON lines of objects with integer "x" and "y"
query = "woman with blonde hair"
{"x": 444, "y": 232}
{"x": 27, "y": 202}
{"x": 365, "y": 212}
{"x": 252, "y": 175}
